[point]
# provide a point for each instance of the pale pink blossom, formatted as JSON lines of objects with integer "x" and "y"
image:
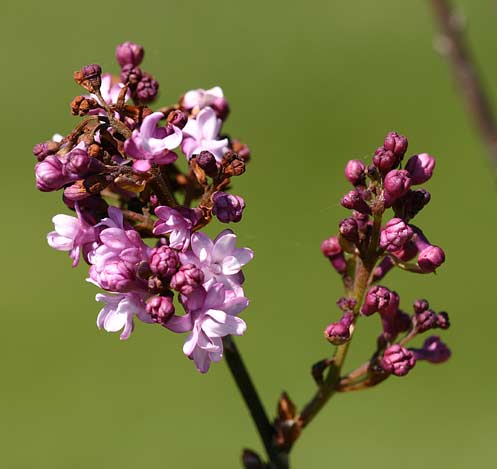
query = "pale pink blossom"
{"x": 177, "y": 223}
{"x": 198, "y": 99}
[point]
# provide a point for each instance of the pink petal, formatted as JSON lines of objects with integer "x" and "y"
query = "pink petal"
{"x": 202, "y": 246}
{"x": 224, "y": 245}
{"x": 149, "y": 124}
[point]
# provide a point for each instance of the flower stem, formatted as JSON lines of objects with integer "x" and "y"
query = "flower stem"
{"x": 161, "y": 188}
{"x": 247, "y": 389}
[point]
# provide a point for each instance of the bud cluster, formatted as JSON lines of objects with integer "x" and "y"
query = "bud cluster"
{"x": 367, "y": 247}
{"x": 116, "y": 170}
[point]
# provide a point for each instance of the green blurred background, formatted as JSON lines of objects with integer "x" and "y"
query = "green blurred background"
{"x": 311, "y": 85}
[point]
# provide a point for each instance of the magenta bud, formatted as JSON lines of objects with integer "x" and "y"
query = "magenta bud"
{"x": 433, "y": 351}
{"x": 385, "y": 160}
{"x": 443, "y": 321}
{"x": 207, "y": 162}
{"x": 396, "y": 143}
{"x": 331, "y": 247}
{"x": 396, "y": 184}
{"x": 385, "y": 266}
{"x": 408, "y": 252}
{"x": 49, "y": 174}
{"x": 425, "y": 320}
{"x": 380, "y": 299}
{"x": 147, "y": 89}
{"x": 188, "y": 278}
{"x": 129, "y": 53}
{"x": 348, "y": 229}
{"x": 160, "y": 308}
{"x": 395, "y": 324}
{"x": 42, "y": 150}
{"x": 227, "y": 207}
{"x": 420, "y": 167}
{"x": 131, "y": 74}
{"x": 338, "y": 333}
{"x": 164, "y": 262}
{"x": 430, "y": 258}
{"x": 398, "y": 360}
{"x": 78, "y": 163}
{"x": 346, "y": 304}
{"x": 220, "y": 105}
{"x": 420, "y": 306}
{"x": 395, "y": 234}
{"x": 353, "y": 200}
{"x": 355, "y": 172}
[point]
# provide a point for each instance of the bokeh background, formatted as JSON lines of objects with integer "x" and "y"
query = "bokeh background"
{"x": 311, "y": 85}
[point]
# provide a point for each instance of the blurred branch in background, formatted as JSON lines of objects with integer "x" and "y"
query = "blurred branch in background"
{"x": 452, "y": 44}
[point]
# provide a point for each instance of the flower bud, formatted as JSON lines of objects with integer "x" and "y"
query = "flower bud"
{"x": 333, "y": 251}
{"x": 49, "y": 174}
{"x": 147, "y": 89}
{"x": 443, "y": 321}
{"x": 131, "y": 74}
{"x": 395, "y": 234}
{"x": 164, "y": 262}
{"x": 76, "y": 192}
{"x": 425, "y": 320}
{"x": 433, "y": 351}
{"x": 420, "y": 306}
{"x": 188, "y": 278}
{"x": 207, "y": 161}
{"x": 42, "y": 150}
{"x": 420, "y": 167}
{"x": 78, "y": 163}
{"x": 395, "y": 324}
{"x": 232, "y": 164}
{"x": 338, "y": 333}
{"x": 227, "y": 207}
{"x": 380, "y": 299}
{"x": 396, "y": 143}
{"x": 221, "y": 106}
{"x": 385, "y": 160}
{"x": 241, "y": 149}
{"x": 160, "y": 308}
{"x": 349, "y": 230}
{"x": 408, "y": 206}
{"x": 385, "y": 266}
{"x": 82, "y": 105}
{"x": 355, "y": 172}
{"x": 177, "y": 118}
{"x": 129, "y": 53}
{"x": 431, "y": 258}
{"x": 353, "y": 200}
{"x": 408, "y": 251}
{"x": 396, "y": 184}
{"x": 89, "y": 77}
{"x": 398, "y": 360}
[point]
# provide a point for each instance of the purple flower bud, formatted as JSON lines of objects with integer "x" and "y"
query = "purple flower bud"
{"x": 354, "y": 172}
{"x": 76, "y": 192}
{"x": 207, "y": 161}
{"x": 147, "y": 89}
{"x": 385, "y": 160}
{"x": 408, "y": 252}
{"x": 425, "y": 320}
{"x": 380, "y": 299}
{"x": 164, "y": 262}
{"x": 430, "y": 258}
{"x": 131, "y": 74}
{"x": 160, "y": 308}
{"x": 78, "y": 163}
{"x": 443, "y": 321}
{"x": 177, "y": 118}
{"x": 349, "y": 230}
{"x": 49, "y": 174}
{"x": 353, "y": 200}
{"x": 433, "y": 351}
{"x": 114, "y": 276}
{"x": 42, "y": 150}
{"x": 408, "y": 206}
{"x": 339, "y": 332}
{"x": 346, "y": 304}
{"x": 333, "y": 251}
{"x": 420, "y": 306}
{"x": 395, "y": 234}
{"x": 396, "y": 184}
{"x": 398, "y": 360}
{"x": 227, "y": 207}
{"x": 188, "y": 278}
{"x": 129, "y": 53}
{"x": 396, "y": 143}
{"x": 395, "y": 324}
{"x": 420, "y": 167}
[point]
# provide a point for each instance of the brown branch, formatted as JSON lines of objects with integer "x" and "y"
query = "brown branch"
{"x": 454, "y": 46}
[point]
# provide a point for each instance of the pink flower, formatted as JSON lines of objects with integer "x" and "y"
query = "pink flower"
{"x": 177, "y": 223}
{"x": 199, "y": 99}
{"x": 72, "y": 234}
{"x": 201, "y": 134}
{"x": 153, "y": 144}
{"x": 119, "y": 312}
{"x": 213, "y": 315}
{"x": 110, "y": 92}
{"x": 220, "y": 260}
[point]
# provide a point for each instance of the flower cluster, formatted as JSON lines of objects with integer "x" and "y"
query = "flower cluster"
{"x": 117, "y": 172}
{"x": 367, "y": 247}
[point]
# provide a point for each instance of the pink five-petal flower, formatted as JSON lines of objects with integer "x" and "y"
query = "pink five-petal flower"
{"x": 177, "y": 223}
{"x": 120, "y": 310}
{"x": 72, "y": 234}
{"x": 220, "y": 260}
{"x": 213, "y": 315}
{"x": 153, "y": 144}
{"x": 201, "y": 134}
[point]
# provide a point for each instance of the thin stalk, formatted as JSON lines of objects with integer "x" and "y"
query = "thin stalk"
{"x": 253, "y": 402}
